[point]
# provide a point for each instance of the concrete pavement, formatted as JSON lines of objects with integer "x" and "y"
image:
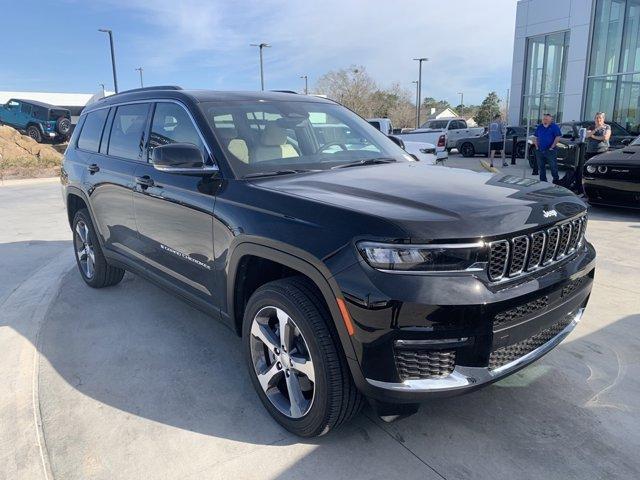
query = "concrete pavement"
{"x": 130, "y": 382}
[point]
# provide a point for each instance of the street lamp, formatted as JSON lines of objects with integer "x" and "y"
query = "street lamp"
{"x": 102, "y": 85}
{"x": 461, "y": 104}
{"x": 261, "y": 46}
{"x": 113, "y": 57}
{"x": 417, "y": 93}
{"x": 306, "y": 84}
{"x": 139, "y": 69}
{"x": 419, "y": 60}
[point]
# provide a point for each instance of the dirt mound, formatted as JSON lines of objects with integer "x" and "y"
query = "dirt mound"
{"x": 22, "y": 157}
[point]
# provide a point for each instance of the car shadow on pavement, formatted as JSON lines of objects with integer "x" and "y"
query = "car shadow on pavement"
{"x": 120, "y": 365}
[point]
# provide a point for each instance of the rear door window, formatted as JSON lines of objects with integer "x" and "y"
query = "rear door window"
{"x": 92, "y": 130}
{"x": 126, "y": 139}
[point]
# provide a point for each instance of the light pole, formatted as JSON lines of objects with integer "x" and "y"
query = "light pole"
{"x": 461, "y": 104}
{"x": 417, "y": 93}
{"x": 139, "y": 69}
{"x": 102, "y": 85}
{"x": 419, "y": 60}
{"x": 306, "y": 84}
{"x": 113, "y": 57}
{"x": 261, "y": 46}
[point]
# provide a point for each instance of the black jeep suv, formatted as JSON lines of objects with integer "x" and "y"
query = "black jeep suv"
{"x": 350, "y": 270}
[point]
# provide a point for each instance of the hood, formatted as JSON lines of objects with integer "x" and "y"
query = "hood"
{"x": 435, "y": 202}
{"x": 628, "y": 156}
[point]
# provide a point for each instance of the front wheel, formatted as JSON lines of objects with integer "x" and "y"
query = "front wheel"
{"x": 294, "y": 359}
{"x": 533, "y": 163}
{"x": 93, "y": 266}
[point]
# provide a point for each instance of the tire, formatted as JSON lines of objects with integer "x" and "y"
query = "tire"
{"x": 333, "y": 398}
{"x": 520, "y": 149}
{"x": 63, "y": 126}
{"x": 96, "y": 273}
{"x": 467, "y": 150}
{"x": 34, "y": 132}
{"x": 532, "y": 159}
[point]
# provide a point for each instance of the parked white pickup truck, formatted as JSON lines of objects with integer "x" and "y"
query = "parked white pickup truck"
{"x": 435, "y": 146}
{"x": 454, "y": 128}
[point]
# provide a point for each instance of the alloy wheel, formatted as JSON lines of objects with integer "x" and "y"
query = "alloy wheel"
{"x": 84, "y": 249}
{"x": 282, "y": 362}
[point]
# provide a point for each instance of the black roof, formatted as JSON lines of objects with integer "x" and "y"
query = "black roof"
{"x": 39, "y": 104}
{"x": 198, "y": 96}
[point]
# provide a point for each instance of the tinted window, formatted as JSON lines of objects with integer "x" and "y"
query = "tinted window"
{"x": 25, "y": 108}
{"x": 126, "y": 132}
{"x": 567, "y": 131}
{"x": 92, "y": 130}
{"x": 376, "y": 124}
{"x": 171, "y": 124}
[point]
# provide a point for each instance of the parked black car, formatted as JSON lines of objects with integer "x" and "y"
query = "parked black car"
{"x": 469, "y": 147}
{"x": 613, "y": 178}
{"x": 39, "y": 120}
{"x": 348, "y": 273}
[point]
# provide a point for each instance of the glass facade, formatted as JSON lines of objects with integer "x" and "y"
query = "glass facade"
{"x": 613, "y": 81}
{"x": 546, "y": 63}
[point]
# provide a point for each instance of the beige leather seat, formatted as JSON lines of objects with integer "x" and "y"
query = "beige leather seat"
{"x": 273, "y": 145}
{"x": 235, "y": 146}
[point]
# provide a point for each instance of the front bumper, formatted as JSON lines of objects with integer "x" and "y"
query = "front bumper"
{"x": 464, "y": 378}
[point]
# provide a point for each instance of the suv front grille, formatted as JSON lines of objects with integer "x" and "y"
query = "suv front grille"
{"x": 525, "y": 253}
{"x": 508, "y": 354}
{"x": 420, "y": 364}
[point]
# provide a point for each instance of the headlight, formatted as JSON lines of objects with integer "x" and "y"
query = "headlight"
{"x": 428, "y": 150}
{"x": 423, "y": 258}
{"x": 591, "y": 169}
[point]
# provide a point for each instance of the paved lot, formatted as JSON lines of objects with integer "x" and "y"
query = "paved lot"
{"x": 129, "y": 382}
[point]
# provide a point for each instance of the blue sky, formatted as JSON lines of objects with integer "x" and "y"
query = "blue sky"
{"x": 55, "y": 46}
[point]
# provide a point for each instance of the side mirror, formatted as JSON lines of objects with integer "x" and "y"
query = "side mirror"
{"x": 183, "y": 158}
{"x": 397, "y": 141}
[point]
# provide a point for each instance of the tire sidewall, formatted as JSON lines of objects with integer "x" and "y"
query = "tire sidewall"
{"x": 82, "y": 215}
{"x": 467, "y": 150}
{"x": 37, "y": 136}
{"x": 318, "y": 414}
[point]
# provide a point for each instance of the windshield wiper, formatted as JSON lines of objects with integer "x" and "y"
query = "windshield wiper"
{"x": 277, "y": 172}
{"x": 365, "y": 161}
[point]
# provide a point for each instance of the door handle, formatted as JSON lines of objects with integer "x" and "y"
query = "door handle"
{"x": 93, "y": 168}
{"x": 145, "y": 181}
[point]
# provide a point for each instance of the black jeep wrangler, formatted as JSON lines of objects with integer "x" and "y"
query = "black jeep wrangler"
{"x": 350, "y": 270}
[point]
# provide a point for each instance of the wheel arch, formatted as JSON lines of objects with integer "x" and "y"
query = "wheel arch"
{"x": 295, "y": 262}
{"x": 75, "y": 200}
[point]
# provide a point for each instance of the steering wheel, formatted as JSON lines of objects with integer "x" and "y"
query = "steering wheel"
{"x": 333, "y": 144}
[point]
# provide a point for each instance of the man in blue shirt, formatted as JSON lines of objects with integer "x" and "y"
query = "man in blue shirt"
{"x": 547, "y": 135}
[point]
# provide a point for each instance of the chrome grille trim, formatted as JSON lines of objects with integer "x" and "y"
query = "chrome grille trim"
{"x": 539, "y": 249}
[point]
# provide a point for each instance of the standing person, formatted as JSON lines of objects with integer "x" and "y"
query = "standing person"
{"x": 598, "y": 138}
{"x": 496, "y": 139}
{"x": 547, "y": 136}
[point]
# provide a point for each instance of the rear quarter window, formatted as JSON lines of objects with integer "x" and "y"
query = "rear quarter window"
{"x": 92, "y": 130}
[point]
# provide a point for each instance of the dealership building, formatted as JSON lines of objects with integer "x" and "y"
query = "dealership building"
{"x": 573, "y": 58}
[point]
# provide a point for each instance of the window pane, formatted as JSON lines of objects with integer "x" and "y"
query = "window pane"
{"x": 627, "y": 112}
{"x": 171, "y": 124}
{"x": 607, "y": 36}
{"x": 92, "y": 130}
{"x": 127, "y": 129}
{"x": 553, "y": 70}
{"x": 550, "y": 105}
{"x": 535, "y": 63}
{"x": 531, "y": 110}
{"x": 631, "y": 45}
{"x": 600, "y": 96}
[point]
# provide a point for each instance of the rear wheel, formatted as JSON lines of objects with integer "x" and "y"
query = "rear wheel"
{"x": 532, "y": 159}
{"x": 520, "y": 149}
{"x": 467, "y": 150}
{"x": 294, "y": 359}
{"x": 63, "y": 126}
{"x": 93, "y": 266}
{"x": 34, "y": 132}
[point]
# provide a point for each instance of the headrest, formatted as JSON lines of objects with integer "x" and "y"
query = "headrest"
{"x": 227, "y": 134}
{"x": 273, "y": 136}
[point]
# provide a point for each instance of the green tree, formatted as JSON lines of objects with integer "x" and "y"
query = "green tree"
{"x": 489, "y": 108}
{"x": 429, "y": 102}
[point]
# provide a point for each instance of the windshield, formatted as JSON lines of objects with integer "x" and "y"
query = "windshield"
{"x": 292, "y": 136}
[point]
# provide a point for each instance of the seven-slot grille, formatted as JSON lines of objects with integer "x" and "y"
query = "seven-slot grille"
{"x": 524, "y": 253}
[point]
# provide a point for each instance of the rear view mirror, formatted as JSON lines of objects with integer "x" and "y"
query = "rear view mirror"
{"x": 183, "y": 158}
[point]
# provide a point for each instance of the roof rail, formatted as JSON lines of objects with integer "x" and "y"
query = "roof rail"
{"x": 284, "y": 91}
{"x": 146, "y": 89}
